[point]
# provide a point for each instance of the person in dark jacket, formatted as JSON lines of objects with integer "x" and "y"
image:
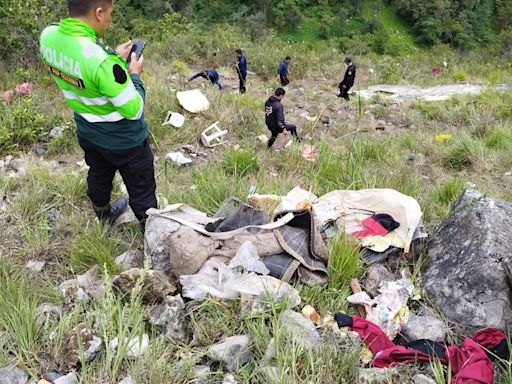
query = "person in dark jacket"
{"x": 208, "y": 74}
{"x": 241, "y": 68}
{"x": 274, "y": 117}
{"x": 283, "y": 71}
{"x": 348, "y": 79}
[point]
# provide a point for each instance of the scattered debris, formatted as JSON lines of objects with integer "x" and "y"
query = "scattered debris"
{"x": 134, "y": 348}
{"x": 229, "y": 379}
{"x": 169, "y": 316}
{"x": 376, "y": 375}
{"x": 175, "y": 119}
{"x": 193, "y": 101}
{"x": 422, "y": 379}
{"x": 263, "y": 139}
{"x": 377, "y": 274}
{"x": 21, "y": 89}
{"x": 201, "y": 373}
{"x": 127, "y": 380}
{"x": 309, "y": 152}
{"x": 233, "y": 351}
{"x": 442, "y": 137}
{"x": 179, "y": 158}
{"x": 247, "y": 259}
{"x": 213, "y": 135}
{"x": 310, "y": 313}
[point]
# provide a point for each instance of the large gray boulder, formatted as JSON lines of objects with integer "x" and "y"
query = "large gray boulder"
{"x": 466, "y": 277}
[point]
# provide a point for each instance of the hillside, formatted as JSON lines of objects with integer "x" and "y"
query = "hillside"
{"x": 46, "y": 216}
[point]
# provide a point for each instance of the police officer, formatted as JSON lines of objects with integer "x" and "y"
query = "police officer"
{"x": 274, "y": 117}
{"x": 208, "y": 74}
{"x": 283, "y": 71}
{"x": 107, "y": 97}
{"x": 241, "y": 68}
{"x": 348, "y": 79}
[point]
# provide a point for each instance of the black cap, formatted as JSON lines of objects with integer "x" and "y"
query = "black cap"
{"x": 348, "y": 59}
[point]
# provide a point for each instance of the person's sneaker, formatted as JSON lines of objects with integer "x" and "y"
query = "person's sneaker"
{"x": 112, "y": 213}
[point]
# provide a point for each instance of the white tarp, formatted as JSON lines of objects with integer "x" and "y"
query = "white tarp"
{"x": 193, "y": 101}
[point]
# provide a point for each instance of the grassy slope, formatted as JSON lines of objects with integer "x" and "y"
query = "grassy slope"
{"x": 405, "y": 156}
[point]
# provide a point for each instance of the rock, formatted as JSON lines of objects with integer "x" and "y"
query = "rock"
{"x": 508, "y": 174}
{"x": 53, "y": 214}
{"x": 56, "y": 132}
{"x": 229, "y": 379}
{"x": 52, "y": 376}
{"x": 134, "y": 348}
{"x": 156, "y": 249}
{"x": 156, "y": 285}
{"x": 70, "y": 378}
{"x": 43, "y": 381}
{"x": 296, "y": 326}
{"x": 130, "y": 259}
{"x": 422, "y": 379}
{"x": 467, "y": 278}
{"x": 13, "y": 375}
{"x": 270, "y": 352}
{"x": 201, "y": 373}
{"x": 17, "y": 165}
{"x": 35, "y": 266}
{"x": 40, "y": 149}
{"x": 69, "y": 354}
{"x": 234, "y": 351}
{"x": 127, "y": 380}
{"x": 325, "y": 120}
{"x": 170, "y": 318}
{"x": 376, "y": 375}
{"x": 46, "y": 312}
{"x": 83, "y": 288}
{"x": 126, "y": 218}
{"x": 377, "y": 274}
{"x": 424, "y": 327}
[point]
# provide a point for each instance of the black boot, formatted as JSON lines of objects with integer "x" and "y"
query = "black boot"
{"x": 111, "y": 212}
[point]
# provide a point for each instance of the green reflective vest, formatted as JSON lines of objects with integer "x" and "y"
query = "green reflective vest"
{"x": 108, "y": 103}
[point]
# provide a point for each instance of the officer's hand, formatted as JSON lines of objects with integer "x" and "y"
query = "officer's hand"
{"x": 136, "y": 65}
{"x": 123, "y": 50}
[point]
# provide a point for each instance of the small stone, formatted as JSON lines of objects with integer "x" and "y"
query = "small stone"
{"x": 51, "y": 376}
{"x": 43, "y": 381}
{"x": 424, "y": 327}
{"x": 17, "y": 165}
{"x": 270, "y": 352}
{"x": 70, "y": 378}
{"x": 422, "y": 379}
{"x": 130, "y": 259}
{"x": 69, "y": 355}
{"x": 201, "y": 373}
{"x": 234, "y": 351}
{"x": 46, "y": 312}
{"x": 156, "y": 284}
{"x": 229, "y": 379}
{"x": 376, "y": 375}
{"x": 135, "y": 347}
{"x": 40, "y": 149}
{"x": 126, "y": 218}
{"x": 13, "y": 375}
{"x": 53, "y": 214}
{"x": 35, "y": 266}
{"x": 56, "y": 132}
{"x": 127, "y": 380}
{"x": 296, "y": 326}
{"x": 170, "y": 317}
{"x": 508, "y": 174}
{"x": 377, "y": 274}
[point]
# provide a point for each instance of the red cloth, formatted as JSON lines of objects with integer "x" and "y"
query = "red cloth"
{"x": 436, "y": 70}
{"x": 469, "y": 362}
{"x": 372, "y": 228}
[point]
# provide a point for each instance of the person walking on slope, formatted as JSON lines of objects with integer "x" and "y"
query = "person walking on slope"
{"x": 107, "y": 97}
{"x": 348, "y": 79}
{"x": 241, "y": 68}
{"x": 208, "y": 74}
{"x": 274, "y": 117}
{"x": 283, "y": 71}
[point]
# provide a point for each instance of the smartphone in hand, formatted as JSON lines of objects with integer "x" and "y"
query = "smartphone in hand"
{"x": 138, "y": 48}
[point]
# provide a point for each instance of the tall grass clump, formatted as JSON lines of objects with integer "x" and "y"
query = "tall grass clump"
{"x": 344, "y": 261}
{"x": 241, "y": 162}
{"x": 499, "y": 139}
{"x": 465, "y": 153}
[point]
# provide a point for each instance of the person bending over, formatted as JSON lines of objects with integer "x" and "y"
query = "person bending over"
{"x": 208, "y": 74}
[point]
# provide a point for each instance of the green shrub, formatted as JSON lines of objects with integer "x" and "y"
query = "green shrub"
{"x": 460, "y": 75}
{"x": 240, "y": 162}
{"x": 499, "y": 139}
{"x": 344, "y": 261}
{"x": 465, "y": 153}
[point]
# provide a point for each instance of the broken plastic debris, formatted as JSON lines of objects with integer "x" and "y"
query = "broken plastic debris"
{"x": 179, "y": 158}
{"x": 247, "y": 257}
{"x": 263, "y": 138}
{"x": 309, "y": 152}
{"x": 175, "y": 119}
{"x": 193, "y": 101}
{"x": 442, "y": 137}
{"x": 213, "y": 135}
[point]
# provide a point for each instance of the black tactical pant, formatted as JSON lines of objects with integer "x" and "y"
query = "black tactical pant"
{"x": 289, "y": 127}
{"x": 242, "y": 80}
{"x": 344, "y": 88}
{"x": 136, "y": 168}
